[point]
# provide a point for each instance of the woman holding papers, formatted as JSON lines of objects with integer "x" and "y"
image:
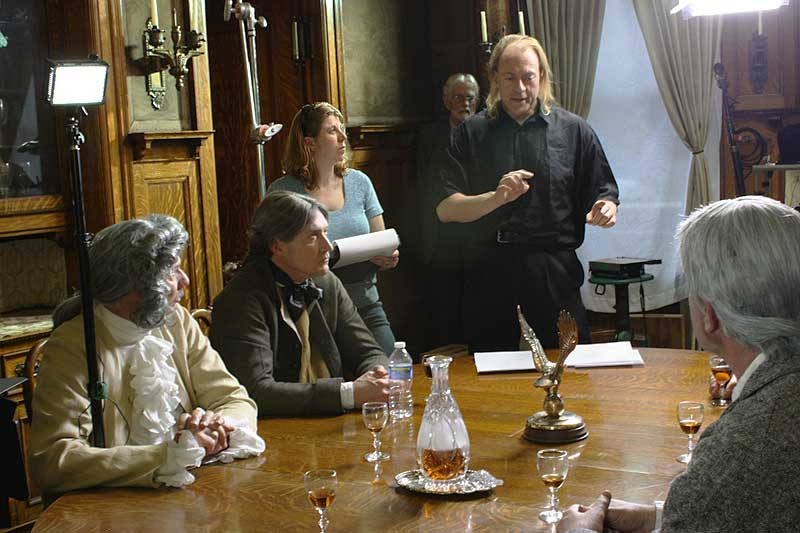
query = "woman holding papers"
{"x": 315, "y": 163}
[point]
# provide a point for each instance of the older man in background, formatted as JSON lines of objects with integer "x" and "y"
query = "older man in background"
{"x": 170, "y": 402}
{"x": 438, "y": 247}
{"x": 742, "y": 268}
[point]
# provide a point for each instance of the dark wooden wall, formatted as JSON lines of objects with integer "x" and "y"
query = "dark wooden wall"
{"x": 777, "y": 105}
{"x": 285, "y": 85}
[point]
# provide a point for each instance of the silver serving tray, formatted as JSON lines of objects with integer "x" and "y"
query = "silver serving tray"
{"x": 473, "y": 481}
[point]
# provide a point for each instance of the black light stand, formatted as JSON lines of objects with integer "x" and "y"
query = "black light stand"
{"x": 259, "y": 133}
{"x": 728, "y": 104}
{"x": 97, "y": 389}
{"x": 73, "y": 84}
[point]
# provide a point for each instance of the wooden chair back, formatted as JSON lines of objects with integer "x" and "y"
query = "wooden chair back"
{"x": 203, "y": 317}
{"x": 31, "y": 370}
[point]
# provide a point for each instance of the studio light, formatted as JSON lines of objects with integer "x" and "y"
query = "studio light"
{"x": 74, "y": 85}
{"x": 77, "y": 83}
{"x": 699, "y": 8}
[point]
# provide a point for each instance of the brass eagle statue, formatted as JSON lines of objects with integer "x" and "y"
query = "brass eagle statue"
{"x": 553, "y": 425}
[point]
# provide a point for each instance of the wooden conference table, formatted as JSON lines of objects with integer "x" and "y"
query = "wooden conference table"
{"x": 634, "y": 438}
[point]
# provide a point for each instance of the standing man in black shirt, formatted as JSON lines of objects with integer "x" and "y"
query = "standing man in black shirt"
{"x": 439, "y": 245}
{"x": 525, "y": 176}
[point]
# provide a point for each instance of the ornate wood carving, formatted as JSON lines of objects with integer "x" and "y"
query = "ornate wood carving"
{"x": 779, "y": 101}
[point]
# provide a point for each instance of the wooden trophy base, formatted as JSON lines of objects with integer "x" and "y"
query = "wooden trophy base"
{"x": 568, "y": 427}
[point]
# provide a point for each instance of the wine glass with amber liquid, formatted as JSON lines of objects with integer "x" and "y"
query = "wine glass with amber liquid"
{"x": 375, "y": 415}
{"x": 553, "y": 465}
{"x": 690, "y": 418}
{"x": 721, "y": 371}
{"x": 321, "y": 488}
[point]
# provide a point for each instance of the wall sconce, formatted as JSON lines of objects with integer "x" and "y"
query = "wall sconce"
{"x": 157, "y": 58}
{"x": 486, "y": 45}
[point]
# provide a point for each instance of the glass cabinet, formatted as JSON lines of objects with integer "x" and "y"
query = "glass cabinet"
{"x": 29, "y": 164}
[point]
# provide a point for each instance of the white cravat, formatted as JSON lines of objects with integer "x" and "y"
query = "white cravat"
{"x": 156, "y": 393}
{"x": 156, "y": 397}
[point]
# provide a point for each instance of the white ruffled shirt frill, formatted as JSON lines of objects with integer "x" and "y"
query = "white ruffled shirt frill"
{"x": 156, "y": 398}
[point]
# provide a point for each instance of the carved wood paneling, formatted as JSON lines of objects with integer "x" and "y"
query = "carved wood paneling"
{"x": 779, "y": 102}
{"x": 780, "y": 88}
{"x": 284, "y": 85}
{"x": 171, "y": 187}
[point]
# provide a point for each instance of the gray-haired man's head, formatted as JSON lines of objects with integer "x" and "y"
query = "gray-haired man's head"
{"x": 742, "y": 257}
{"x": 460, "y": 97}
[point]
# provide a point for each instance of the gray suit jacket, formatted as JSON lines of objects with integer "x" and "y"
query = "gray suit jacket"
{"x": 263, "y": 351}
{"x": 745, "y": 471}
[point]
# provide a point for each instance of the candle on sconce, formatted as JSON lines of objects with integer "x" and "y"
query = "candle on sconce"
{"x": 484, "y": 32}
{"x": 521, "y": 17}
{"x": 192, "y": 10}
{"x": 295, "y": 42}
{"x": 154, "y": 12}
{"x": 760, "y": 26}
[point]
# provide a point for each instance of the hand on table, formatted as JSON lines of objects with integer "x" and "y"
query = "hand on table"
{"x": 629, "y": 517}
{"x": 580, "y": 516}
{"x": 372, "y": 386}
{"x": 209, "y": 429}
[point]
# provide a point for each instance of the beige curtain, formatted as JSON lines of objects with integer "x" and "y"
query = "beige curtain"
{"x": 682, "y": 53}
{"x": 569, "y": 31}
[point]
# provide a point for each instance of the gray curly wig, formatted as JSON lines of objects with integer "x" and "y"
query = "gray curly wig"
{"x": 133, "y": 255}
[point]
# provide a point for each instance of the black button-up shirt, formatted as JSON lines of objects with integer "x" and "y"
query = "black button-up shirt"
{"x": 570, "y": 170}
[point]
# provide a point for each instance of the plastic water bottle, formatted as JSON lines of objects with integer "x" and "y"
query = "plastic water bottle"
{"x": 401, "y": 373}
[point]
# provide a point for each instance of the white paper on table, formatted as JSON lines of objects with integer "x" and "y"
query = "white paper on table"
{"x": 363, "y": 247}
{"x": 503, "y": 361}
{"x": 604, "y": 354}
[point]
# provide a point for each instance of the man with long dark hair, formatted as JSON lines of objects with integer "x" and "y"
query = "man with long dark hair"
{"x": 286, "y": 326}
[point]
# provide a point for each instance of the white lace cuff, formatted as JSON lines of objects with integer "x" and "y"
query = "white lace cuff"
{"x": 186, "y": 453}
{"x": 242, "y": 443}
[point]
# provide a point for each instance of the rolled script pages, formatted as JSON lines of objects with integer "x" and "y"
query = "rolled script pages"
{"x": 360, "y": 248}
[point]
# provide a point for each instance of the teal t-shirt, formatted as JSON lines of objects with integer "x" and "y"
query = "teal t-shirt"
{"x": 360, "y": 204}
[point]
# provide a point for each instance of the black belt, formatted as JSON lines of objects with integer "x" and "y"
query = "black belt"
{"x": 505, "y": 236}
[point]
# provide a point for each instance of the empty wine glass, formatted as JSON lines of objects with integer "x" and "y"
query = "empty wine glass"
{"x": 721, "y": 371}
{"x": 553, "y": 465}
{"x": 690, "y": 417}
{"x": 321, "y": 488}
{"x": 375, "y": 416}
